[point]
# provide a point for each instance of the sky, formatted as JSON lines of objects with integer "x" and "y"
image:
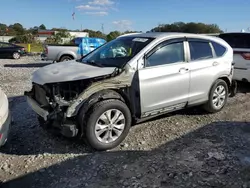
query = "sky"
{"x": 137, "y": 15}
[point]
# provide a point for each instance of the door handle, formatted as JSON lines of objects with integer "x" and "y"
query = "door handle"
{"x": 215, "y": 63}
{"x": 183, "y": 70}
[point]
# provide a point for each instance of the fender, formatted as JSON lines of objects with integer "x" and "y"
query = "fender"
{"x": 123, "y": 80}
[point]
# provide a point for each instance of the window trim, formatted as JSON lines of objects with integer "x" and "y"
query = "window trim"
{"x": 203, "y": 41}
{"x": 162, "y": 44}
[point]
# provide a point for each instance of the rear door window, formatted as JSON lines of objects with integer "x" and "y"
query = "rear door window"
{"x": 237, "y": 40}
{"x": 200, "y": 50}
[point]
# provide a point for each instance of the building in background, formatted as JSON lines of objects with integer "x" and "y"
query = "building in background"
{"x": 48, "y": 33}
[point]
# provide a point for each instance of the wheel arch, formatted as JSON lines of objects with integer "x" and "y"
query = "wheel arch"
{"x": 64, "y": 55}
{"x": 106, "y": 94}
{"x": 226, "y": 79}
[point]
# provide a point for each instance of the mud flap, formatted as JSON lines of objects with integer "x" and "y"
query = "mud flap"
{"x": 233, "y": 89}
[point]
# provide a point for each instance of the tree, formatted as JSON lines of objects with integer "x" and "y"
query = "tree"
{"x": 17, "y": 28}
{"x": 190, "y": 27}
{"x": 33, "y": 30}
{"x": 42, "y": 27}
{"x": 3, "y": 29}
{"x": 97, "y": 34}
{"x": 27, "y": 38}
{"x": 57, "y": 38}
{"x": 113, "y": 35}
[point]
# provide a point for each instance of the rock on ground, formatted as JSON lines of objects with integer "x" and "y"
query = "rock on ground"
{"x": 188, "y": 148}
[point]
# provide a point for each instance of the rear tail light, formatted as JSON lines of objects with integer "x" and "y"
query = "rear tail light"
{"x": 246, "y": 56}
{"x": 46, "y": 50}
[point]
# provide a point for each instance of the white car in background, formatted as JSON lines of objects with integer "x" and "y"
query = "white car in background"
{"x": 240, "y": 42}
{"x": 5, "y": 118}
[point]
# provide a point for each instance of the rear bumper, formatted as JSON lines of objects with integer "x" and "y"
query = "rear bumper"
{"x": 44, "y": 57}
{"x": 4, "y": 131}
{"x": 241, "y": 74}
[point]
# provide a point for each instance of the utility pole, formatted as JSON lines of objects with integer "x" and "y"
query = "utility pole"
{"x": 102, "y": 28}
{"x": 81, "y": 27}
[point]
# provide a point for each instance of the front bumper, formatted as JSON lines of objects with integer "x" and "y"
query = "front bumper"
{"x": 4, "y": 131}
{"x": 36, "y": 107}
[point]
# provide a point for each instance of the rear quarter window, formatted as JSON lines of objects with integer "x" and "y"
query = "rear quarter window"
{"x": 219, "y": 49}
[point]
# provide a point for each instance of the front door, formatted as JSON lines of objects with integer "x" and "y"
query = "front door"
{"x": 164, "y": 80}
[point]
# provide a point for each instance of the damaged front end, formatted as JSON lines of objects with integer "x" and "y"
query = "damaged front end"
{"x": 51, "y": 101}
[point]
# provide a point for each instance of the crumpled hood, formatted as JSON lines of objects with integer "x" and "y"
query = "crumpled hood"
{"x": 68, "y": 71}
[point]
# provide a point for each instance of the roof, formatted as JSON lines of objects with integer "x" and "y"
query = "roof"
{"x": 163, "y": 34}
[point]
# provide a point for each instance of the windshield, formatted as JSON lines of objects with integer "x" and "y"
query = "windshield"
{"x": 118, "y": 52}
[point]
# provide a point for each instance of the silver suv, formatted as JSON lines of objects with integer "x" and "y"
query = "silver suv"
{"x": 128, "y": 79}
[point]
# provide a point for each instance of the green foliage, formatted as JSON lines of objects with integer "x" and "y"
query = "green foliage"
{"x": 58, "y": 37}
{"x": 113, "y": 35}
{"x": 190, "y": 27}
{"x": 18, "y": 28}
{"x": 97, "y": 34}
{"x": 27, "y": 38}
{"x": 24, "y": 35}
{"x": 42, "y": 27}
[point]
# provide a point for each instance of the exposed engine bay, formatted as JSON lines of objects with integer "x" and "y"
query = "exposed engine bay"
{"x": 55, "y": 98}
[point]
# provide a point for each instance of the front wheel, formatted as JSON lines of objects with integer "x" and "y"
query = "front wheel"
{"x": 217, "y": 97}
{"x": 65, "y": 58}
{"x": 16, "y": 55}
{"x": 108, "y": 124}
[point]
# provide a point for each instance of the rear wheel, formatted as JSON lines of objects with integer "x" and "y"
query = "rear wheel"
{"x": 218, "y": 97}
{"x": 108, "y": 124}
{"x": 16, "y": 55}
{"x": 65, "y": 58}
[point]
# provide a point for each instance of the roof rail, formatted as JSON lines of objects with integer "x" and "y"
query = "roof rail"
{"x": 127, "y": 34}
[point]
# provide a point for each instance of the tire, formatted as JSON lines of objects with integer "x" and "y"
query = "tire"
{"x": 221, "y": 87}
{"x": 65, "y": 58}
{"x": 95, "y": 115}
{"x": 16, "y": 55}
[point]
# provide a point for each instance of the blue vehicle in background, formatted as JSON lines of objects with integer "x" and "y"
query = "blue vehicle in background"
{"x": 80, "y": 46}
{"x": 87, "y": 44}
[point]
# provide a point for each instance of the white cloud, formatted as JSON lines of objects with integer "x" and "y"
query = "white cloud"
{"x": 101, "y": 13}
{"x": 88, "y": 7}
{"x": 123, "y": 24}
{"x": 101, "y": 2}
{"x": 97, "y": 7}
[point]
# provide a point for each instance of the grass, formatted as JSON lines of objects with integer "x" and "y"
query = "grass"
{"x": 33, "y": 47}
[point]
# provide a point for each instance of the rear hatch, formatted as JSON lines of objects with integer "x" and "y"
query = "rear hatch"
{"x": 240, "y": 42}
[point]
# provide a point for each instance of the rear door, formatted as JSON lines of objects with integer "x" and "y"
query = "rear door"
{"x": 203, "y": 69}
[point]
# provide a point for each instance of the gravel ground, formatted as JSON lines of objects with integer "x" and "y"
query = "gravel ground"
{"x": 184, "y": 149}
